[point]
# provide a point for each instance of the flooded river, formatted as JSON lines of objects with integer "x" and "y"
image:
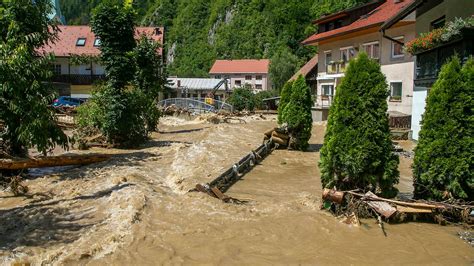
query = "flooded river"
{"x": 135, "y": 210}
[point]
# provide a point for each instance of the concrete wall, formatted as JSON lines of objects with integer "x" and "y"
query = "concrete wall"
{"x": 265, "y": 82}
{"x": 448, "y": 8}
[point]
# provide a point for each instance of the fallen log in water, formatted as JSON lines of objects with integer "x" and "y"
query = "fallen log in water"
{"x": 349, "y": 202}
{"x": 51, "y": 161}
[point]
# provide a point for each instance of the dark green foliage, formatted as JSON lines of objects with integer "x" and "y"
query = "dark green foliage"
{"x": 285, "y": 96}
{"x": 443, "y": 165}
{"x": 24, "y": 92}
{"x": 200, "y": 31}
{"x": 357, "y": 150}
{"x": 242, "y": 99}
{"x": 124, "y": 109}
{"x": 260, "y": 96}
{"x": 283, "y": 65}
{"x": 113, "y": 24}
{"x": 297, "y": 114}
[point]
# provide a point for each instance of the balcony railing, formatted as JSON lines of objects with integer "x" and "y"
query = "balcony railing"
{"x": 336, "y": 67}
{"x": 77, "y": 79}
{"x": 429, "y": 63}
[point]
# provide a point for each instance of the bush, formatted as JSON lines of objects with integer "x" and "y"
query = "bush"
{"x": 284, "y": 99}
{"x": 297, "y": 115}
{"x": 243, "y": 99}
{"x": 443, "y": 165}
{"x": 357, "y": 150}
{"x": 260, "y": 105}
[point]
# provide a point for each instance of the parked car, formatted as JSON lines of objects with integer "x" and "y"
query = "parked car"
{"x": 67, "y": 101}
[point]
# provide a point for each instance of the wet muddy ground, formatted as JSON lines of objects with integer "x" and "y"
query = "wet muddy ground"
{"x": 135, "y": 209}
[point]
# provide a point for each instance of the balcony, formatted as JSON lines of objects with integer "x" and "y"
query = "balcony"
{"x": 429, "y": 63}
{"x": 78, "y": 79}
{"x": 336, "y": 67}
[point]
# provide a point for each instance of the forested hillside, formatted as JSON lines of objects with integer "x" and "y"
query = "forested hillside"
{"x": 199, "y": 31}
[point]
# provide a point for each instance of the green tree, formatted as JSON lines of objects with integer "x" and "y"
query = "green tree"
{"x": 357, "y": 150}
{"x": 282, "y": 67}
{"x": 242, "y": 99}
{"x": 443, "y": 165}
{"x": 123, "y": 109}
{"x": 25, "y": 94}
{"x": 285, "y": 95}
{"x": 297, "y": 115}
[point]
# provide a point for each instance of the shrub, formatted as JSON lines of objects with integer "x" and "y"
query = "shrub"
{"x": 284, "y": 99}
{"x": 297, "y": 114}
{"x": 260, "y": 96}
{"x": 243, "y": 99}
{"x": 357, "y": 150}
{"x": 443, "y": 165}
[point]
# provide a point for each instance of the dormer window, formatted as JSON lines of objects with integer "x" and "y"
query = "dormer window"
{"x": 97, "y": 42}
{"x": 81, "y": 42}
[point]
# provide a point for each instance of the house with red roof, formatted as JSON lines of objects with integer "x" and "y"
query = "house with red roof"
{"x": 253, "y": 72}
{"x": 75, "y": 77}
{"x": 341, "y": 36}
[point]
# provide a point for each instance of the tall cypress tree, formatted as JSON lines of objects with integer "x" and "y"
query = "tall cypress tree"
{"x": 443, "y": 165}
{"x": 285, "y": 96}
{"x": 357, "y": 150}
{"x": 297, "y": 114}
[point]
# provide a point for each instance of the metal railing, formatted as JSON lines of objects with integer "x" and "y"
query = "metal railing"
{"x": 197, "y": 105}
{"x": 336, "y": 67}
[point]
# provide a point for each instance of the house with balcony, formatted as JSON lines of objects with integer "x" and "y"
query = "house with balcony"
{"x": 341, "y": 36}
{"x": 76, "y": 51}
{"x": 251, "y": 72}
{"x": 430, "y": 16}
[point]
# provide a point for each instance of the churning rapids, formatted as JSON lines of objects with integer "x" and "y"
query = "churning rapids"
{"x": 135, "y": 210}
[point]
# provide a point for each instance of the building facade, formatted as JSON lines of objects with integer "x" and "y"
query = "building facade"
{"x": 76, "y": 50}
{"x": 343, "y": 35}
{"x": 431, "y": 15}
{"x": 254, "y": 73}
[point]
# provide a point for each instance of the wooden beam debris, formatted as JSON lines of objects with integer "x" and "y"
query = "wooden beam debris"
{"x": 52, "y": 161}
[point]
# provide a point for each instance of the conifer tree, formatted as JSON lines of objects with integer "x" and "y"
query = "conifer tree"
{"x": 285, "y": 96}
{"x": 443, "y": 165}
{"x": 357, "y": 150}
{"x": 297, "y": 115}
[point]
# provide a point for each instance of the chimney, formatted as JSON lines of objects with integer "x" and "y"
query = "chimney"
{"x": 157, "y": 31}
{"x": 397, "y": 1}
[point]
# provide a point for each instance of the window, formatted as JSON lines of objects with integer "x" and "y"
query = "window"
{"x": 238, "y": 83}
{"x": 396, "y": 91}
{"x": 258, "y": 86}
{"x": 248, "y": 77}
{"x": 347, "y": 53}
{"x": 397, "y": 49}
{"x": 258, "y": 77}
{"x": 327, "y": 90}
{"x": 97, "y": 42}
{"x": 328, "y": 57}
{"x": 439, "y": 23}
{"x": 56, "y": 69}
{"x": 372, "y": 50}
{"x": 81, "y": 42}
{"x": 218, "y": 77}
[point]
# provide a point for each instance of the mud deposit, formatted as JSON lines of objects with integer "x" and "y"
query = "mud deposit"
{"x": 135, "y": 210}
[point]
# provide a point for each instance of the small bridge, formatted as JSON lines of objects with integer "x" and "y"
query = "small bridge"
{"x": 197, "y": 105}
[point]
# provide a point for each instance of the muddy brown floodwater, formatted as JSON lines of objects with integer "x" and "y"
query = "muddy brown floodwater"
{"x": 135, "y": 210}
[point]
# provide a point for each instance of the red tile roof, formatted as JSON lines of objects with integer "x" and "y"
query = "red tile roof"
{"x": 65, "y": 45}
{"x": 240, "y": 66}
{"x": 310, "y": 65}
{"x": 374, "y": 18}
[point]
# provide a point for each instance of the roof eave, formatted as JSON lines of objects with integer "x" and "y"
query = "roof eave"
{"x": 340, "y": 33}
{"x": 401, "y": 14}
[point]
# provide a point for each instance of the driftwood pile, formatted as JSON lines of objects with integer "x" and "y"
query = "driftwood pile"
{"x": 278, "y": 135}
{"x": 352, "y": 205}
{"x": 51, "y": 161}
